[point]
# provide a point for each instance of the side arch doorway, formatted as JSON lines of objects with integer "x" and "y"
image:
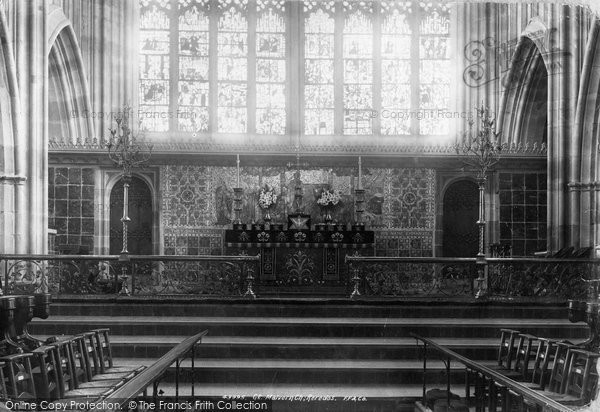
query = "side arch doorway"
{"x": 460, "y": 214}
{"x": 139, "y": 231}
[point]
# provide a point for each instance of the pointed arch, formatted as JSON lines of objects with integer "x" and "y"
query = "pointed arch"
{"x": 584, "y": 173}
{"x": 525, "y": 94}
{"x": 69, "y": 101}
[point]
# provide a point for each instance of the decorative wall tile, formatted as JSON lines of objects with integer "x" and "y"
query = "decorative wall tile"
{"x": 410, "y": 198}
{"x": 198, "y": 241}
{"x": 201, "y": 198}
{"x": 187, "y": 196}
{"x": 394, "y": 243}
{"x": 71, "y": 207}
{"x": 523, "y": 212}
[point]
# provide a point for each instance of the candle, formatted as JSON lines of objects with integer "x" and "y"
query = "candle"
{"x": 238, "y": 170}
{"x": 359, "y": 172}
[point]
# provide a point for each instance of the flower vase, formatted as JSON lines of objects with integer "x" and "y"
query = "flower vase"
{"x": 327, "y": 216}
{"x": 267, "y": 216}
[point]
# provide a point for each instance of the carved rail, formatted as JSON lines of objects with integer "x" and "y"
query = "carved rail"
{"x": 151, "y": 375}
{"x": 130, "y": 274}
{"x": 547, "y": 404}
{"x": 492, "y": 277}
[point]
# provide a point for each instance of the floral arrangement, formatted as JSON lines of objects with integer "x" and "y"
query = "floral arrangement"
{"x": 267, "y": 197}
{"x": 329, "y": 198}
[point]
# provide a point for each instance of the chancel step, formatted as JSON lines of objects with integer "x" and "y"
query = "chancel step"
{"x": 295, "y": 346}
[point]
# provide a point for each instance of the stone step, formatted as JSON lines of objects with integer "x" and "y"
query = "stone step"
{"x": 323, "y": 397}
{"x": 314, "y": 371}
{"x": 309, "y": 326}
{"x": 298, "y": 348}
{"x": 308, "y": 308}
{"x": 272, "y": 390}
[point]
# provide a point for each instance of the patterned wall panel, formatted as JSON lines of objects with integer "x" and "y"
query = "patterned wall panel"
{"x": 71, "y": 207}
{"x": 523, "y": 212}
{"x": 399, "y": 202}
{"x": 401, "y": 243}
{"x": 188, "y": 196}
{"x": 410, "y": 198}
{"x": 193, "y": 241}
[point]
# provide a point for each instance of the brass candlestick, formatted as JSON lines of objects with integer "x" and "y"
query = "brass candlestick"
{"x": 359, "y": 201}
{"x": 237, "y": 206}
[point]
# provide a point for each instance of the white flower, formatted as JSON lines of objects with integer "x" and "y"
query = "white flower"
{"x": 267, "y": 198}
{"x": 329, "y": 198}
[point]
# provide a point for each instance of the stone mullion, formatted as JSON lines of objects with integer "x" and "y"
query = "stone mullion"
{"x": 377, "y": 73}
{"x": 251, "y": 75}
{"x": 132, "y": 61}
{"x": 295, "y": 65}
{"x": 414, "y": 70}
{"x": 173, "y": 67}
{"x": 213, "y": 85}
{"x": 338, "y": 73}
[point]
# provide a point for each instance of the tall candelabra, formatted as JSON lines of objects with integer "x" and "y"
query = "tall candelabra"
{"x": 480, "y": 151}
{"x": 128, "y": 153}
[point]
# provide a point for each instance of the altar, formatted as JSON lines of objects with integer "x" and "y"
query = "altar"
{"x": 301, "y": 260}
{"x": 298, "y": 256}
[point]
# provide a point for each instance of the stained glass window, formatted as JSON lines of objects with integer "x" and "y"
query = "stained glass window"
{"x": 270, "y": 67}
{"x": 434, "y": 70}
{"x": 231, "y": 66}
{"x": 232, "y": 70}
{"x": 396, "y": 38}
{"x": 193, "y": 87}
{"x": 319, "y": 28}
{"x": 357, "y": 43}
{"x": 154, "y": 64}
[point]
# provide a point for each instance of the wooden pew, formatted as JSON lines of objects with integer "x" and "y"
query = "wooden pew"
{"x": 79, "y": 366}
{"x": 493, "y": 389}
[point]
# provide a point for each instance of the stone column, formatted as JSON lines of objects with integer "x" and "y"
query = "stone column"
{"x": 32, "y": 76}
{"x": 562, "y": 68}
{"x": 11, "y": 175}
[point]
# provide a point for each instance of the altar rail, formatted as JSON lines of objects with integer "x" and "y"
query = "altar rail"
{"x": 376, "y": 277}
{"x": 151, "y": 376}
{"x": 129, "y": 274}
{"x": 520, "y": 392}
{"x": 493, "y": 277}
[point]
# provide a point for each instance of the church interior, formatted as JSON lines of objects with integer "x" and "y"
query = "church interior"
{"x": 294, "y": 205}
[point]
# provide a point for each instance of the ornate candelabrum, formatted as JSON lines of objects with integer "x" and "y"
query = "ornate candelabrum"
{"x": 237, "y": 206}
{"x": 128, "y": 153}
{"x": 238, "y": 192}
{"x": 359, "y": 199}
{"x": 480, "y": 151}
